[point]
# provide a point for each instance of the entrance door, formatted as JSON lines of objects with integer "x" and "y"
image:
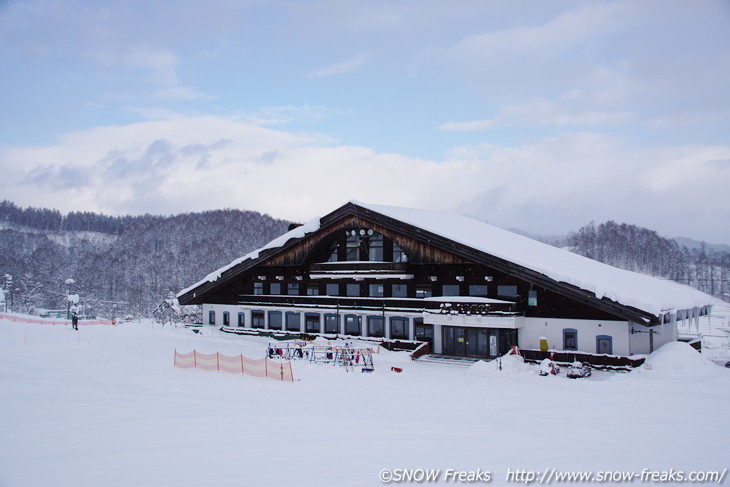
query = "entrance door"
{"x": 476, "y": 342}
{"x": 465, "y": 342}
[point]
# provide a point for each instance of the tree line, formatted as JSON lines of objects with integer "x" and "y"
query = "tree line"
{"x": 128, "y": 265}
{"x": 642, "y": 250}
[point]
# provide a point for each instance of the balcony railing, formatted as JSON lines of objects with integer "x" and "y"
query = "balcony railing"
{"x": 441, "y": 306}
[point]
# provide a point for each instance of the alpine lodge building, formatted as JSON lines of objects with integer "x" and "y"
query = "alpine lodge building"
{"x": 468, "y": 288}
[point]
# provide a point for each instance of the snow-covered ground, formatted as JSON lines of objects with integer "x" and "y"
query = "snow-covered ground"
{"x": 106, "y": 407}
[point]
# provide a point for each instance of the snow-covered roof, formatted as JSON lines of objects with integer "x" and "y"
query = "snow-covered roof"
{"x": 298, "y": 232}
{"x": 647, "y": 293}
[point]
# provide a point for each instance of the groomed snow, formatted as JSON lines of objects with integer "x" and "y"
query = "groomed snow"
{"x": 106, "y": 407}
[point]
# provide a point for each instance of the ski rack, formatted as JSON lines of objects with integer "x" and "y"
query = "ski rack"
{"x": 288, "y": 351}
{"x": 345, "y": 356}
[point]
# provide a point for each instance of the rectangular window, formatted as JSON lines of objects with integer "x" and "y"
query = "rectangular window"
{"x": 399, "y": 328}
{"x": 275, "y": 288}
{"x": 211, "y": 317}
{"x": 331, "y": 323}
{"x": 604, "y": 344}
{"x": 241, "y": 319}
{"x": 450, "y": 290}
{"x": 532, "y": 298}
{"x": 353, "y": 289}
{"x": 292, "y": 288}
{"x": 353, "y": 325}
{"x": 375, "y": 252}
{"x": 478, "y": 290}
{"x": 333, "y": 289}
{"x": 311, "y": 323}
{"x": 293, "y": 321}
{"x": 399, "y": 290}
{"x": 376, "y": 290}
{"x": 352, "y": 249}
{"x": 423, "y": 291}
{"x": 257, "y": 319}
{"x": 226, "y": 318}
{"x": 274, "y": 320}
{"x": 570, "y": 339}
{"x": 258, "y": 288}
{"x": 398, "y": 254}
{"x": 312, "y": 290}
{"x": 507, "y": 291}
{"x": 376, "y": 326}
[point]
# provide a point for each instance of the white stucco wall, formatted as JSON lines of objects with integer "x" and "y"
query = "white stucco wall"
{"x": 662, "y": 334}
{"x": 588, "y": 330}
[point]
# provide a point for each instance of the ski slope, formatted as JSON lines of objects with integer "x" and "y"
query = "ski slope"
{"x": 106, "y": 407}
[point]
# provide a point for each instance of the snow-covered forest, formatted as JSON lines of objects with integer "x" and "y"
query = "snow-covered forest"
{"x": 119, "y": 265}
{"x": 642, "y": 250}
{"x": 128, "y": 265}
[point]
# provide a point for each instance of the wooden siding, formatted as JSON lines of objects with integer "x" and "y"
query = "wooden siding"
{"x": 314, "y": 249}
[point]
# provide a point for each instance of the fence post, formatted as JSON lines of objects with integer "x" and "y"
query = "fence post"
{"x": 281, "y": 371}
{"x": 195, "y": 359}
{"x": 174, "y": 361}
{"x": 266, "y": 366}
{"x": 291, "y": 373}
{"x": 242, "y": 372}
{"x": 217, "y": 361}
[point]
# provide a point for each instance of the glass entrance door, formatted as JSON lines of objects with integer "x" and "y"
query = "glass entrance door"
{"x": 466, "y": 342}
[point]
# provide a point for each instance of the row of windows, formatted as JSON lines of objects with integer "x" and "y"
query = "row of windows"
{"x": 604, "y": 343}
{"x": 395, "y": 290}
{"x": 317, "y": 323}
{"x": 365, "y": 245}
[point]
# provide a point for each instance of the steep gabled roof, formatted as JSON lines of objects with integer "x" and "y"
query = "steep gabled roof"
{"x": 543, "y": 263}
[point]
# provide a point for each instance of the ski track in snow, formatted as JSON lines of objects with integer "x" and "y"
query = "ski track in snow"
{"x": 106, "y": 407}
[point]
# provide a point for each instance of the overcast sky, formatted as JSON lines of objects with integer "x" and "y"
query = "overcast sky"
{"x": 528, "y": 114}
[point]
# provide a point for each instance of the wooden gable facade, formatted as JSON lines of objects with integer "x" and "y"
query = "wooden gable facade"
{"x": 362, "y": 273}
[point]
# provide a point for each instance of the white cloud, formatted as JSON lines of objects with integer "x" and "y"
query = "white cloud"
{"x": 541, "y": 112}
{"x": 341, "y": 67}
{"x": 196, "y": 163}
{"x": 184, "y": 93}
{"x": 156, "y": 63}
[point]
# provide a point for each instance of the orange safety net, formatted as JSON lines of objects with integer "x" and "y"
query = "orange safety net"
{"x": 234, "y": 365}
{"x": 237, "y": 364}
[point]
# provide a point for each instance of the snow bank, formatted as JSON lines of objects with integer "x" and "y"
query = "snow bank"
{"x": 511, "y": 364}
{"x": 679, "y": 359}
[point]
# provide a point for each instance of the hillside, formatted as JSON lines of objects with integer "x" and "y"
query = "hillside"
{"x": 642, "y": 250}
{"x": 120, "y": 265}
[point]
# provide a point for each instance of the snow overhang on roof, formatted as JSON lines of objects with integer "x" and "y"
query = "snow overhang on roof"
{"x": 296, "y": 233}
{"x": 646, "y": 293}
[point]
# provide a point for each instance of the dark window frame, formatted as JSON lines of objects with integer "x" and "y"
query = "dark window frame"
{"x": 370, "y": 320}
{"x": 406, "y": 330}
{"x": 570, "y": 342}
{"x": 272, "y": 313}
